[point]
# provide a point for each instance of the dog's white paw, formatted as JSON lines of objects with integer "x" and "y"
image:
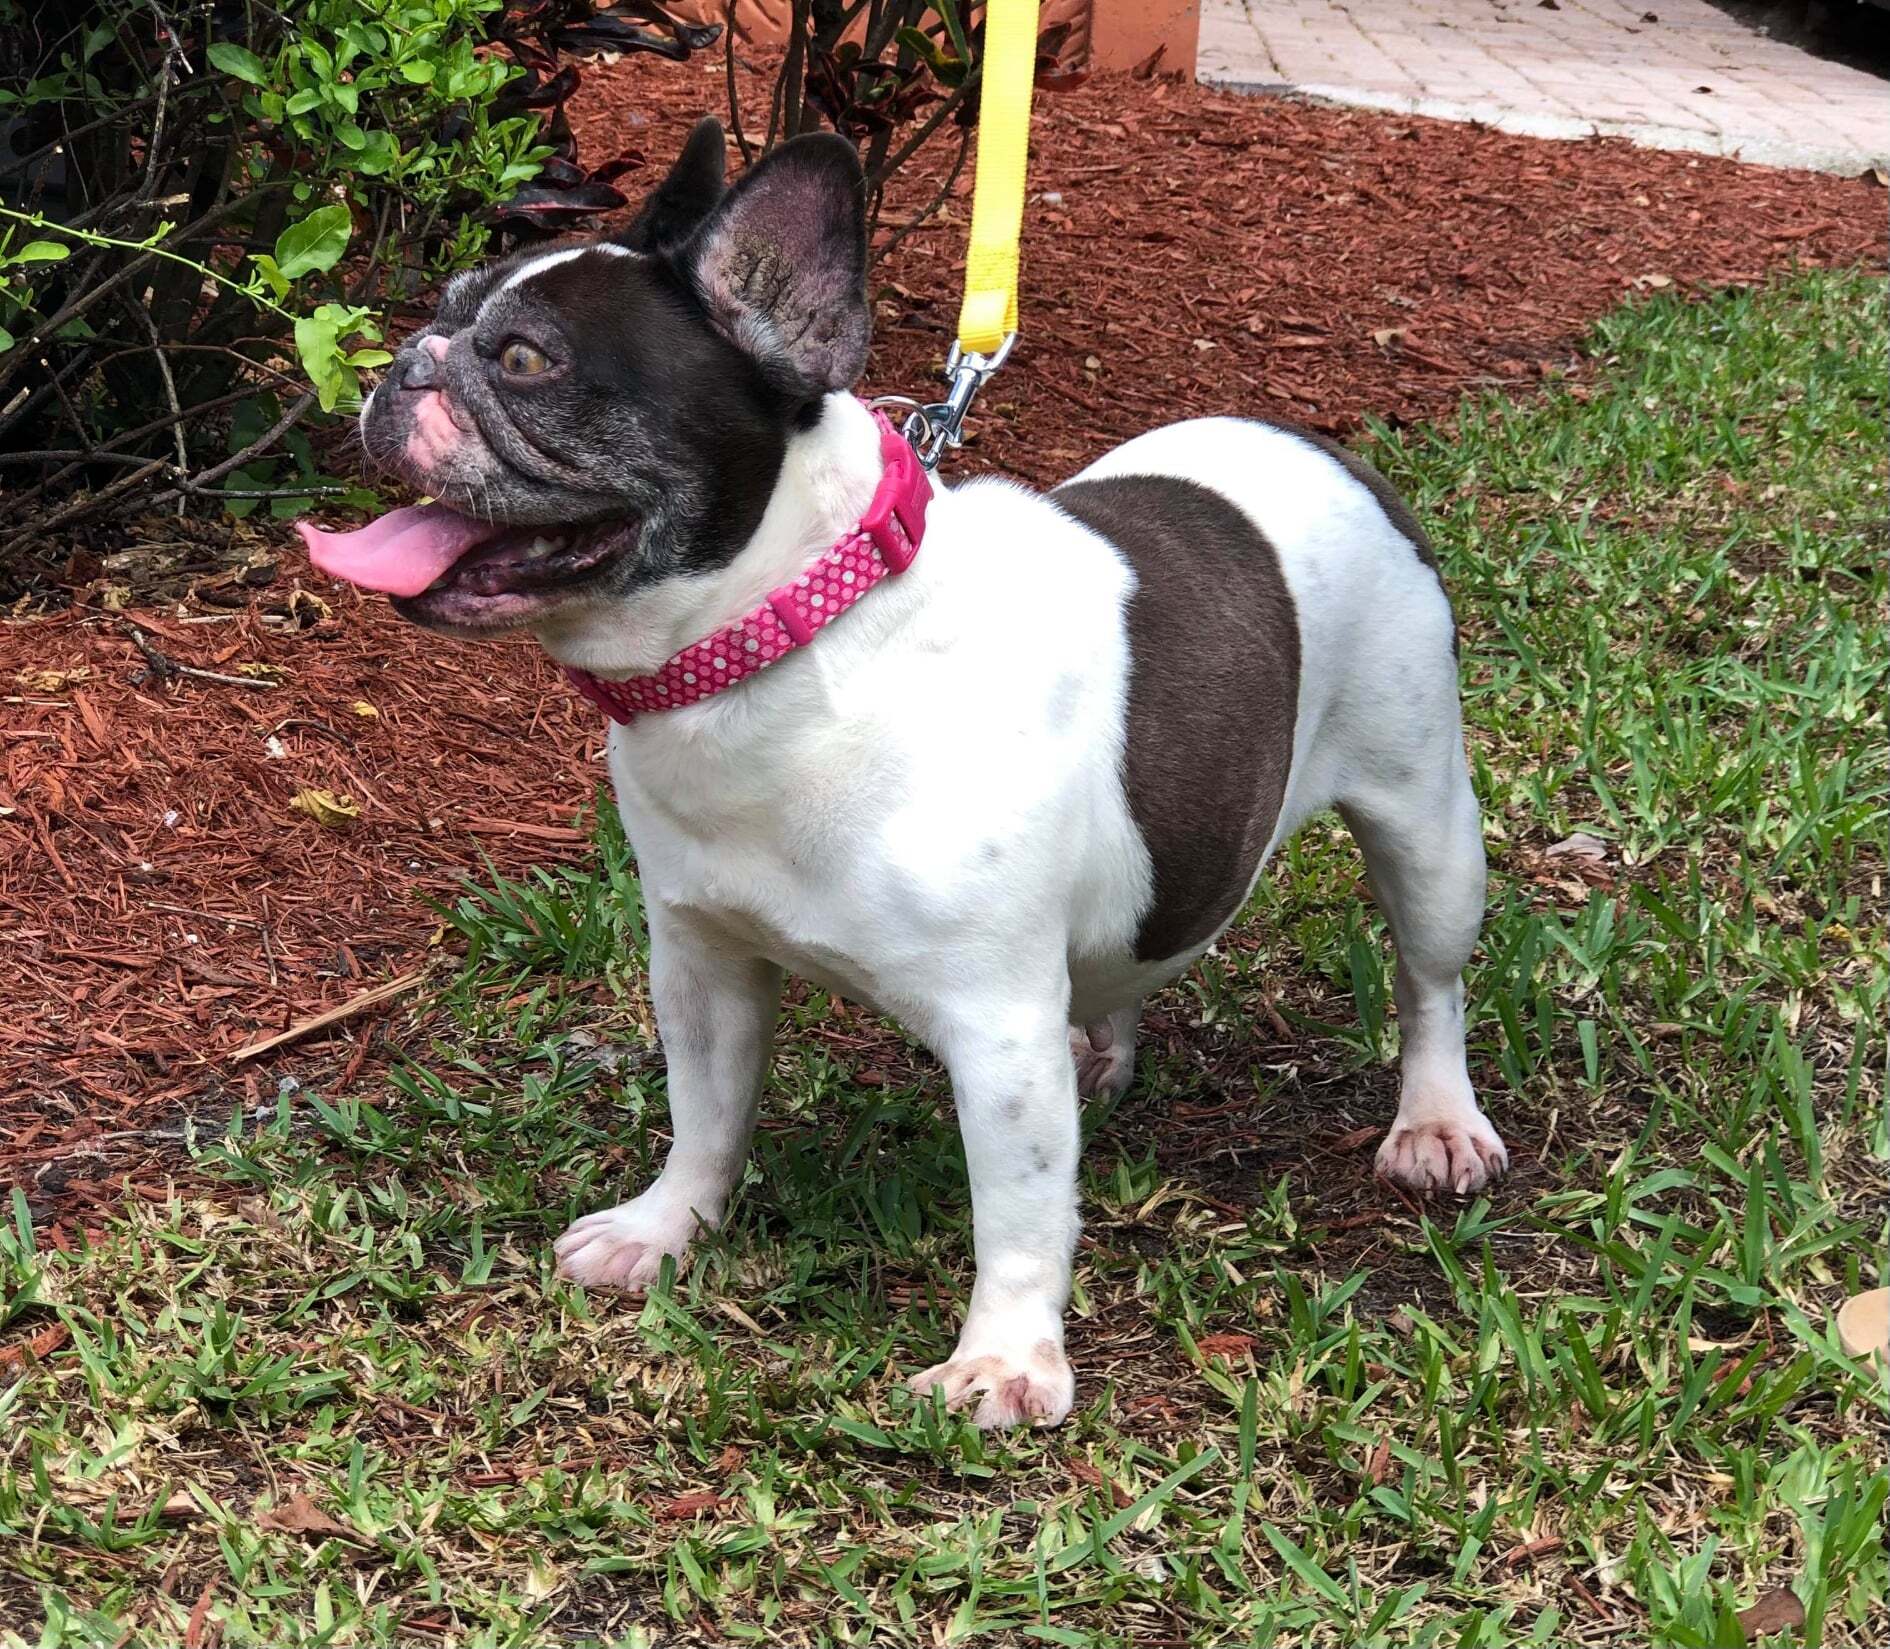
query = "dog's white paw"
{"x": 1105, "y": 1060}
{"x": 1460, "y": 1153}
{"x": 623, "y": 1247}
{"x": 1035, "y": 1389}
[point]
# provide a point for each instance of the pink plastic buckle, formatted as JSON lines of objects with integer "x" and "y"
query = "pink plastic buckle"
{"x": 895, "y": 520}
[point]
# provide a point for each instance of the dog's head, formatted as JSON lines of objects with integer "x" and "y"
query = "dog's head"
{"x": 605, "y": 416}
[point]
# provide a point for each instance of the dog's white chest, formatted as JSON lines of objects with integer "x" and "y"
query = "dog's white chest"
{"x": 938, "y": 775}
{"x": 791, "y": 855}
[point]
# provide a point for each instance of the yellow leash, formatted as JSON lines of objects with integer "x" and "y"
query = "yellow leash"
{"x": 987, "y": 323}
{"x": 989, "y": 314}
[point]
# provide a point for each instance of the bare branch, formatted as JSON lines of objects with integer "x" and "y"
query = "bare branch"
{"x": 161, "y": 667}
{"x": 920, "y": 218}
{"x": 170, "y": 383}
{"x": 87, "y": 505}
{"x": 59, "y": 455}
{"x": 937, "y": 118}
{"x": 275, "y": 432}
{"x": 734, "y": 96}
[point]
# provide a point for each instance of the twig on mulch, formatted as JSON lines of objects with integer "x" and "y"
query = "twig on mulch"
{"x": 161, "y": 667}
{"x": 43, "y": 1344}
{"x": 331, "y": 1016}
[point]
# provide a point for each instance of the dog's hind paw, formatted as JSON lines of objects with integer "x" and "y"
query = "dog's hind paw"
{"x": 1036, "y": 1389}
{"x": 1104, "y": 1055}
{"x": 624, "y": 1247}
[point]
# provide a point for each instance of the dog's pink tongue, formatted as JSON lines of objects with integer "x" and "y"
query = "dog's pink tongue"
{"x": 401, "y": 553}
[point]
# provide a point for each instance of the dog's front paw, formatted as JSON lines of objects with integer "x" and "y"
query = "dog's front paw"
{"x": 1035, "y": 1389}
{"x": 623, "y": 1247}
{"x": 1457, "y": 1153}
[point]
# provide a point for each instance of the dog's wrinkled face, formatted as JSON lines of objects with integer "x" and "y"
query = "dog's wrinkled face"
{"x": 600, "y": 417}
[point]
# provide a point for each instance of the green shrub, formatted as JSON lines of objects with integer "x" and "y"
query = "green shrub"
{"x": 206, "y": 211}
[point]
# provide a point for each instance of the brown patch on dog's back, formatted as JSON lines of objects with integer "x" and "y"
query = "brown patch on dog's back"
{"x": 1213, "y": 693}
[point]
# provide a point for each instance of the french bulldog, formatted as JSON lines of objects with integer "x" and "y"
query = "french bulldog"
{"x": 1022, "y": 778}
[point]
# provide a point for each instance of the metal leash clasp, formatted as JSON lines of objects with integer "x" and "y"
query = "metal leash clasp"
{"x": 938, "y": 425}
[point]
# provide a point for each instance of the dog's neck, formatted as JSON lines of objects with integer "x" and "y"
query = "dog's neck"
{"x": 828, "y": 474}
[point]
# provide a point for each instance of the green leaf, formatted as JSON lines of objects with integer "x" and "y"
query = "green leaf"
{"x": 381, "y": 155}
{"x": 860, "y": 1431}
{"x": 6, "y": 340}
{"x": 1079, "y": 1550}
{"x": 304, "y": 100}
{"x": 1303, "y": 1566}
{"x": 272, "y": 276}
{"x": 314, "y": 244}
{"x": 239, "y": 61}
{"x": 40, "y": 251}
{"x": 251, "y": 478}
{"x": 418, "y": 72}
{"x": 315, "y": 344}
{"x": 949, "y": 70}
{"x": 949, "y": 12}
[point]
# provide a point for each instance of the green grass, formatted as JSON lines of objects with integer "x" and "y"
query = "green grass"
{"x": 1601, "y": 1405}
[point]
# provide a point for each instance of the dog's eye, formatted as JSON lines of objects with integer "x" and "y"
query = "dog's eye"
{"x": 521, "y": 360}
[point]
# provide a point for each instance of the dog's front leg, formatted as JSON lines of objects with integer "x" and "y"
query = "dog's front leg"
{"x": 715, "y": 1015}
{"x": 1016, "y": 1092}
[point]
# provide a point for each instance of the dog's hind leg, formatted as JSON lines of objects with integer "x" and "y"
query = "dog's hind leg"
{"x": 1423, "y": 846}
{"x": 716, "y": 1018}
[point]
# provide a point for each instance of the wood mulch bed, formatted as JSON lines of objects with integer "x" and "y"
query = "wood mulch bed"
{"x": 163, "y": 903}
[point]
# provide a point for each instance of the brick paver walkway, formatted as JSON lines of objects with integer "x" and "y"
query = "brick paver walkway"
{"x": 1671, "y": 74}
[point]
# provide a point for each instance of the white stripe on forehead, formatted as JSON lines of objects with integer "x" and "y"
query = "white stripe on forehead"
{"x": 551, "y": 260}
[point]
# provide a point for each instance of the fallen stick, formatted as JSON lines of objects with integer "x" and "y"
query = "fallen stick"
{"x": 330, "y": 1016}
{"x": 161, "y": 666}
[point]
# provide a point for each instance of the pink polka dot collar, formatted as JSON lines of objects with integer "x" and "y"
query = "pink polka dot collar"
{"x": 884, "y": 543}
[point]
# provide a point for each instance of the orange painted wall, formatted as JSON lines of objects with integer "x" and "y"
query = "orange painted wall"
{"x": 1124, "y": 33}
{"x": 1107, "y": 34}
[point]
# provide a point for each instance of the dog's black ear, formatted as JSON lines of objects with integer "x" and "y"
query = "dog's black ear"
{"x": 677, "y": 205}
{"x": 781, "y": 265}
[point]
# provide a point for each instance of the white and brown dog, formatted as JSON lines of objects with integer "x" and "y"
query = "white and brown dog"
{"x": 1025, "y": 781}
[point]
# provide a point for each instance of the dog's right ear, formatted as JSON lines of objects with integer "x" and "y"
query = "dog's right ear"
{"x": 683, "y": 200}
{"x": 780, "y": 266}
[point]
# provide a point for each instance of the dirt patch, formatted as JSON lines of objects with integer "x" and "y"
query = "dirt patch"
{"x": 1188, "y": 252}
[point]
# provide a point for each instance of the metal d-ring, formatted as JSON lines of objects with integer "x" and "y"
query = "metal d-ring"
{"x": 934, "y": 426}
{"x": 917, "y": 426}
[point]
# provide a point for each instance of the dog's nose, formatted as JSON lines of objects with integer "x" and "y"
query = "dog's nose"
{"x": 419, "y": 367}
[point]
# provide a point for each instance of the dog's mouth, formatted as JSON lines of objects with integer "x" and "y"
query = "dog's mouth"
{"x": 447, "y": 569}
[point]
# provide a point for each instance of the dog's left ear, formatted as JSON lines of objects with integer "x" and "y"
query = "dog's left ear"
{"x": 677, "y": 205}
{"x": 780, "y": 267}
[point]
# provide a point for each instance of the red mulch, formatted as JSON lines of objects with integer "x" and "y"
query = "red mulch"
{"x": 1188, "y": 252}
